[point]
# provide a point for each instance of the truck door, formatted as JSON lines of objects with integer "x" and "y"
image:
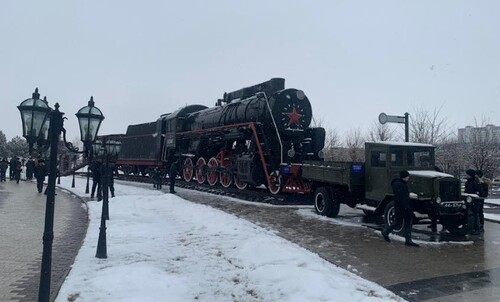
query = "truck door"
{"x": 377, "y": 171}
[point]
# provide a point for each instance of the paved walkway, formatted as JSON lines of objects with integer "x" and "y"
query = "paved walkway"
{"x": 22, "y": 216}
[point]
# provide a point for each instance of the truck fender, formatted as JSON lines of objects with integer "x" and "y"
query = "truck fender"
{"x": 380, "y": 209}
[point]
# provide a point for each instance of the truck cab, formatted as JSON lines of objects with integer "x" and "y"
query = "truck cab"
{"x": 434, "y": 195}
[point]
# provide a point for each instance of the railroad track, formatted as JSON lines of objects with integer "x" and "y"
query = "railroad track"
{"x": 255, "y": 194}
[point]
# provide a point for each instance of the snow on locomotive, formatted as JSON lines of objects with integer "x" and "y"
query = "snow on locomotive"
{"x": 253, "y": 136}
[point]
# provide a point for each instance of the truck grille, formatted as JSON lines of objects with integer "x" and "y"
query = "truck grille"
{"x": 449, "y": 190}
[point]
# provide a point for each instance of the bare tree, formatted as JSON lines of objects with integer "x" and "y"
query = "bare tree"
{"x": 380, "y": 132}
{"x": 484, "y": 152}
{"x": 332, "y": 142}
{"x": 428, "y": 127}
{"x": 354, "y": 143}
{"x": 450, "y": 156}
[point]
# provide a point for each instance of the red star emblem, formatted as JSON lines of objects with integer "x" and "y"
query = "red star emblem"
{"x": 294, "y": 117}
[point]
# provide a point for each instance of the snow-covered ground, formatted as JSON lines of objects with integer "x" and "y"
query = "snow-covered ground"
{"x": 164, "y": 248}
{"x": 489, "y": 216}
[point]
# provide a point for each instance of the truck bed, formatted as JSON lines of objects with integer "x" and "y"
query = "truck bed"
{"x": 350, "y": 174}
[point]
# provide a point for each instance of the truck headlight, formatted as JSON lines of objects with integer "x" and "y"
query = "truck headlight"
{"x": 438, "y": 200}
{"x": 468, "y": 199}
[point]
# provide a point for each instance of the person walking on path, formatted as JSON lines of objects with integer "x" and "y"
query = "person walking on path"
{"x": 172, "y": 175}
{"x": 40, "y": 174}
{"x": 403, "y": 208}
{"x": 17, "y": 170}
{"x": 12, "y": 167}
{"x": 30, "y": 169}
{"x": 96, "y": 180}
{"x": 3, "y": 169}
{"x": 472, "y": 186}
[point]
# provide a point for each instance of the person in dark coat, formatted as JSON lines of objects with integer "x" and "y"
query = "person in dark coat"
{"x": 472, "y": 186}
{"x": 403, "y": 208}
{"x": 30, "y": 169}
{"x": 96, "y": 180}
{"x": 12, "y": 168}
{"x": 17, "y": 170}
{"x": 40, "y": 174}
{"x": 157, "y": 178}
{"x": 484, "y": 185}
{"x": 110, "y": 173}
{"x": 172, "y": 175}
{"x": 3, "y": 169}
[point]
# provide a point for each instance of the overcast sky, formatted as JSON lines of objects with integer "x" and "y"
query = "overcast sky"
{"x": 353, "y": 59}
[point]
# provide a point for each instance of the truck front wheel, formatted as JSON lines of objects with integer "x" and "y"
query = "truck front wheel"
{"x": 325, "y": 203}
{"x": 390, "y": 217}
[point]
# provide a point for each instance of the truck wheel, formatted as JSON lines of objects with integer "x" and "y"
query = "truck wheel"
{"x": 390, "y": 217}
{"x": 325, "y": 204}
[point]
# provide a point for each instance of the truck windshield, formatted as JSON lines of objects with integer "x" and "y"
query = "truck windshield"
{"x": 422, "y": 158}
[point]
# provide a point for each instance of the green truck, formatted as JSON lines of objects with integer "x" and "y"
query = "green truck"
{"x": 367, "y": 185}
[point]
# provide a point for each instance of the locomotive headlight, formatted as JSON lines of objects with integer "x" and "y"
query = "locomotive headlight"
{"x": 291, "y": 153}
{"x": 468, "y": 199}
{"x": 300, "y": 95}
{"x": 321, "y": 153}
{"x": 438, "y": 200}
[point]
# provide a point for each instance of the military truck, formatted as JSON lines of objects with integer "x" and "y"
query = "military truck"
{"x": 367, "y": 185}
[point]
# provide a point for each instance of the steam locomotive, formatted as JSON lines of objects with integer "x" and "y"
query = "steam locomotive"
{"x": 258, "y": 135}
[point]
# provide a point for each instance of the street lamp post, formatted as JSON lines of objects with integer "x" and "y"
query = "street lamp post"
{"x": 89, "y": 161}
{"x": 35, "y": 114}
{"x": 106, "y": 149}
{"x": 74, "y": 166}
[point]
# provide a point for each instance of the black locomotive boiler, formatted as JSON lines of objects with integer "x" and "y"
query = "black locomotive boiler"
{"x": 253, "y": 136}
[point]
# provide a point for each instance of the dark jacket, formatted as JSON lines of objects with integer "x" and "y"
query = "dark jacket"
{"x": 40, "y": 171}
{"x": 30, "y": 166}
{"x": 401, "y": 195}
{"x": 96, "y": 171}
{"x": 173, "y": 171}
{"x": 472, "y": 186}
{"x": 4, "y": 165}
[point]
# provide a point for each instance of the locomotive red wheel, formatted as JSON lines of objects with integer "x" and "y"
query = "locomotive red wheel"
{"x": 212, "y": 174}
{"x": 239, "y": 184}
{"x": 226, "y": 177}
{"x": 187, "y": 170}
{"x": 200, "y": 170}
{"x": 275, "y": 186}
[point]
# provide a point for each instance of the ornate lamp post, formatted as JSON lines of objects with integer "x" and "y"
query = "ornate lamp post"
{"x": 34, "y": 114}
{"x": 89, "y": 118}
{"x": 107, "y": 150}
{"x": 74, "y": 166}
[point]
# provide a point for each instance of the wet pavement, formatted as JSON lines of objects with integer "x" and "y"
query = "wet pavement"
{"x": 444, "y": 268}
{"x": 22, "y": 216}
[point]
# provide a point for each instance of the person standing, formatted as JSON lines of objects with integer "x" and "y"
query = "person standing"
{"x": 30, "y": 169}
{"x": 172, "y": 175}
{"x": 403, "y": 208}
{"x": 96, "y": 180}
{"x": 17, "y": 170}
{"x": 3, "y": 169}
{"x": 110, "y": 176}
{"x": 40, "y": 173}
{"x": 12, "y": 167}
{"x": 484, "y": 188}
{"x": 472, "y": 187}
{"x": 157, "y": 175}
